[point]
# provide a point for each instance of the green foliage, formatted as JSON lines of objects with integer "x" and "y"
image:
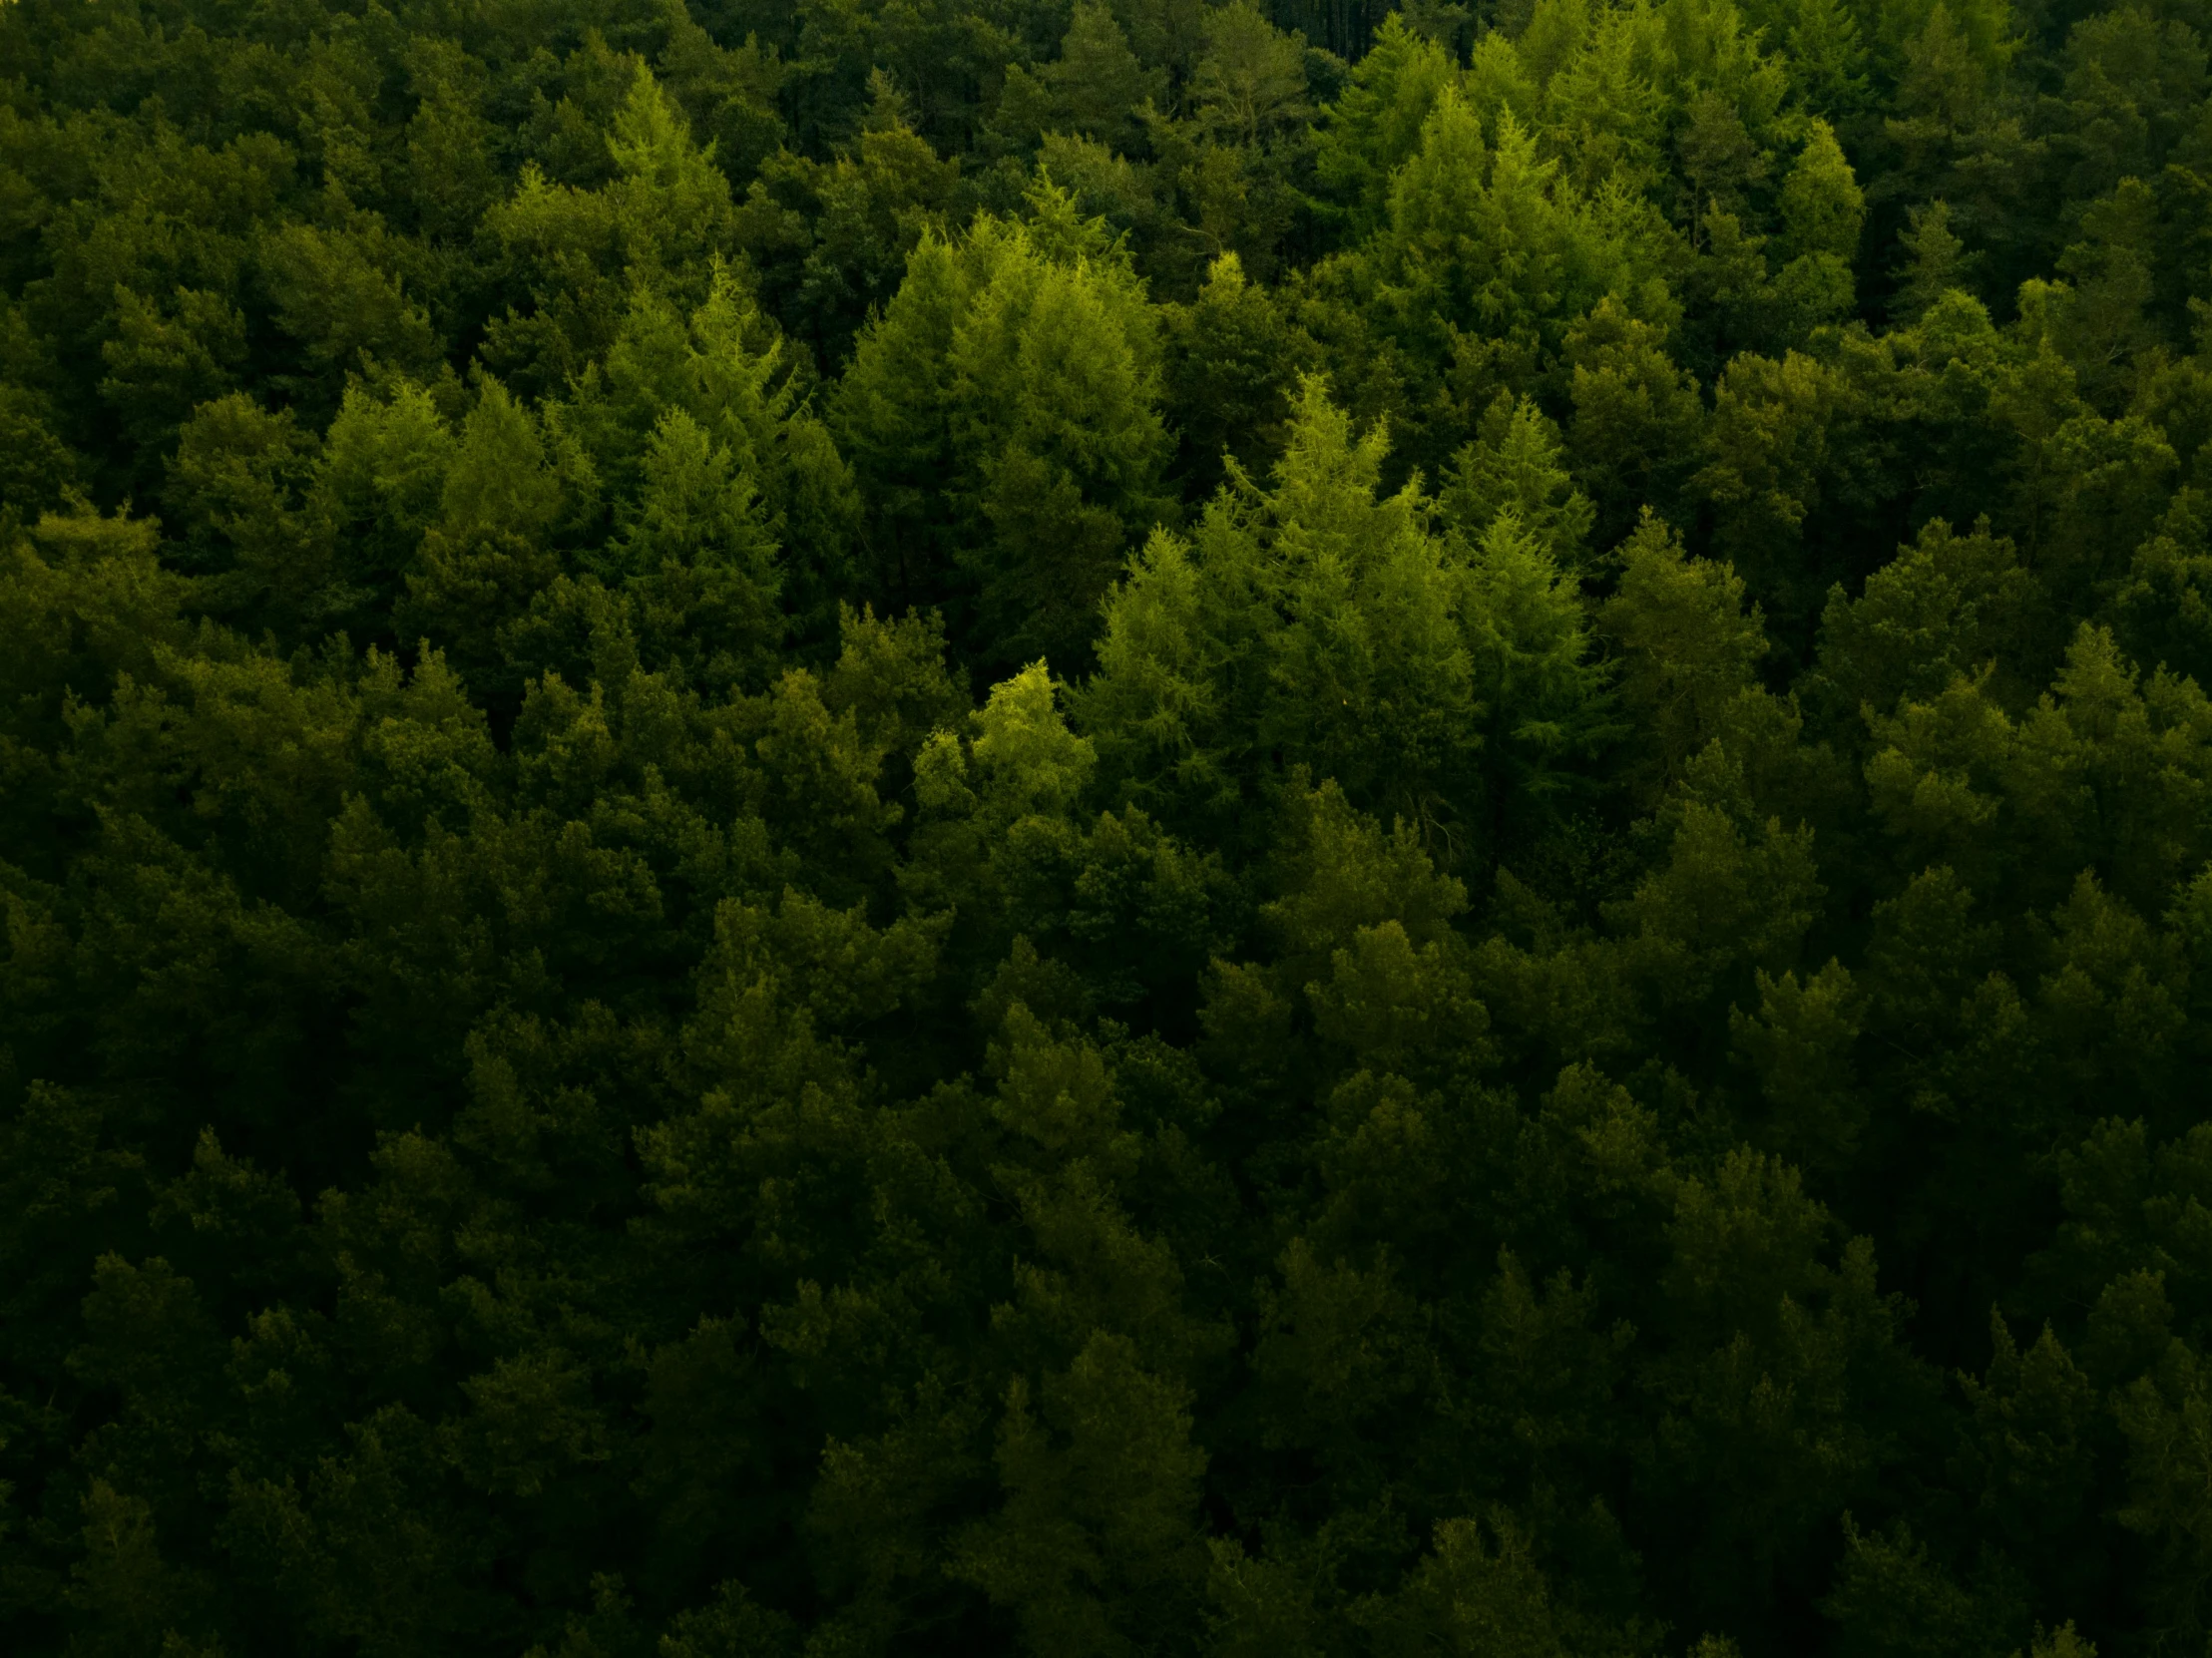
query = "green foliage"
{"x": 1136, "y": 828}
{"x": 1004, "y": 412}
{"x": 1318, "y": 628}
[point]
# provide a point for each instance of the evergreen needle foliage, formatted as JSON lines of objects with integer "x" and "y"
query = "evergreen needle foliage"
{"x": 1120, "y": 829}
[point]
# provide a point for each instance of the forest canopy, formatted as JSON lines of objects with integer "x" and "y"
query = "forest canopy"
{"x": 1100, "y": 828}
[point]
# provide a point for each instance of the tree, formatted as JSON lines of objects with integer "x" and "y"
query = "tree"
{"x": 1935, "y": 262}
{"x": 1376, "y": 126}
{"x": 1096, "y": 87}
{"x": 1516, "y": 465}
{"x": 1004, "y": 412}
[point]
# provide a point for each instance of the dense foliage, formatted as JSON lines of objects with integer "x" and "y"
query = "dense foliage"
{"x": 840, "y": 827}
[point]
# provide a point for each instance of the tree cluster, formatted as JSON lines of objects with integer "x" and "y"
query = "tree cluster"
{"x": 1100, "y": 828}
